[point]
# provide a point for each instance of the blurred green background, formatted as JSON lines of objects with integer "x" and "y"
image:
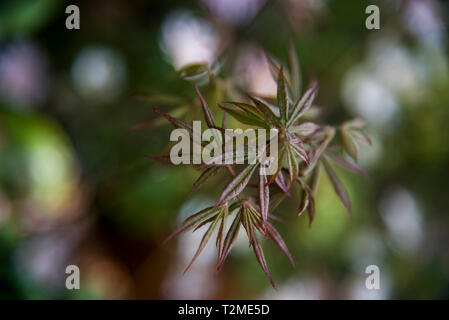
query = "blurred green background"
{"x": 75, "y": 187}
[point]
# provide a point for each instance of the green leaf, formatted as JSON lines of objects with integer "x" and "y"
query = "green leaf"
{"x": 280, "y": 164}
{"x": 245, "y": 117}
{"x": 192, "y": 71}
{"x": 293, "y": 168}
{"x": 250, "y": 109}
{"x": 207, "y": 114}
{"x": 303, "y": 104}
{"x": 282, "y": 96}
{"x": 266, "y": 110}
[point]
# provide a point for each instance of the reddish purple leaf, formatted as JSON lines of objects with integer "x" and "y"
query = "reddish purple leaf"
{"x": 279, "y": 167}
{"x": 266, "y": 110}
{"x": 274, "y": 234}
{"x": 362, "y": 137}
{"x": 220, "y": 237}
{"x": 246, "y": 222}
{"x": 162, "y": 159}
{"x": 349, "y": 144}
{"x": 293, "y": 168}
{"x": 273, "y": 66}
{"x": 348, "y": 164}
{"x": 229, "y": 241}
{"x": 264, "y": 199}
{"x": 249, "y": 109}
{"x": 275, "y": 200}
{"x": 338, "y": 187}
{"x": 280, "y": 182}
{"x": 282, "y": 95}
{"x": 261, "y": 258}
{"x": 205, "y": 175}
{"x": 303, "y": 104}
{"x": 207, "y": 114}
{"x": 307, "y": 201}
{"x": 294, "y": 69}
{"x": 203, "y": 243}
{"x": 305, "y": 129}
{"x": 246, "y": 118}
{"x": 191, "y": 221}
{"x": 223, "y": 122}
{"x": 204, "y": 222}
{"x": 175, "y": 122}
{"x": 236, "y": 186}
{"x": 298, "y": 147}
